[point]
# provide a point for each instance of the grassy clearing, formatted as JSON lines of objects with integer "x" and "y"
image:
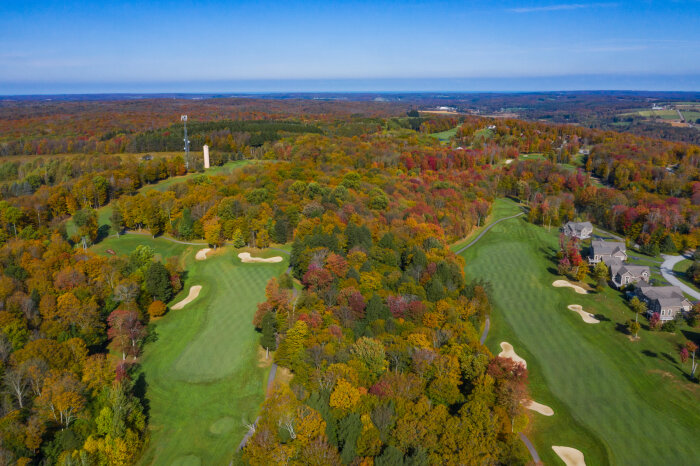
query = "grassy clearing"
{"x": 201, "y": 376}
{"x": 691, "y": 116}
{"x": 501, "y": 208}
{"x": 126, "y": 243}
{"x": 610, "y": 395}
{"x": 662, "y": 114}
{"x": 445, "y": 136}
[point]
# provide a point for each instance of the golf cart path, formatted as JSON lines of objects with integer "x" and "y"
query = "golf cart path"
{"x": 531, "y": 448}
{"x": 486, "y": 230}
{"x": 670, "y": 276}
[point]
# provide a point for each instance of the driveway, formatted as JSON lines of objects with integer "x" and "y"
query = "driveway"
{"x": 669, "y": 275}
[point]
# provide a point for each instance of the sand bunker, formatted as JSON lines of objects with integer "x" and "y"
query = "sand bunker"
{"x": 540, "y": 408}
{"x": 509, "y": 353}
{"x": 246, "y": 258}
{"x": 202, "y": 254}
{"x": 570, "y": 456}
{"x": 194, "y": 292}
{"x": 563, "y": 283}
{"x": 586, "y": 316}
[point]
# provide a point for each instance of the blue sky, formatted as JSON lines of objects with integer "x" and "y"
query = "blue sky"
{"x": 229, "y": 46}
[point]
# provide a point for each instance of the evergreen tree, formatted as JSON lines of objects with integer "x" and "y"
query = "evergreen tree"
{"x": 186, "y": 226}
{"x": 157, "y": 282}
{"x": 279, "y": 234}
{"x": 117, "y": 221}
{"x": 668, "y": 246}
{"x": 268, "y": 339}
{"x": 349, "y": 430}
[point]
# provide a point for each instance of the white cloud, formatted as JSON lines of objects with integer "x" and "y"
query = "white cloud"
{"x": 562, "y": 7}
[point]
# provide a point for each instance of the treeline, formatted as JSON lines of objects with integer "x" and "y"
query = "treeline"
{"x": 66, "y": 399}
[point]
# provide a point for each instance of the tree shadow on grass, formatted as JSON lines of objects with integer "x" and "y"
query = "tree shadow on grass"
{"x": 140, "y": 389}
{"x": 692, "y": 336}
{"x": 601, "y": 317}
{"x": 622, "y": 328}
{"x": 670, "y": 358}
{"x": 650, "y": 354}
{"x": 102, "y": 233}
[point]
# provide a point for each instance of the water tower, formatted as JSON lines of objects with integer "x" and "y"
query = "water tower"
{"x": 205, "y": 149}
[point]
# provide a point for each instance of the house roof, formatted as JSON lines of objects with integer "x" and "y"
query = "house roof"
{"x": 666, "y": 296}
{"x": 607, "y": 248}
{"x": 578, "y": 227}
{"x": 617, "y": 266}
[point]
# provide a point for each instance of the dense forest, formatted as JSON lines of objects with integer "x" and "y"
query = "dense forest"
{"x": 383, "y": 339}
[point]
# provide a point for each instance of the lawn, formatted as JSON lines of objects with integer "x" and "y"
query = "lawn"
{"x": 202, "y": 374}
{"x": 610, "y": 395}
{"x": 501, "y": 208}
{"x": 126, "y": 243}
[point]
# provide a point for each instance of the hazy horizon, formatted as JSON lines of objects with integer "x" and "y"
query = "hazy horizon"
{"x": 655, "y": 83}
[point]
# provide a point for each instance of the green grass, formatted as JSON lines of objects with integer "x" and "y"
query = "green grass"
{"x": 501, "y": 208}
{"x": 126, "y": 243}
{"x": 445, "y": 136}
{"x": 690, "y": 116}
{"x": 663, "y": 114}
{"x": 618, "y": 401}
{"x": 201, "y": 374}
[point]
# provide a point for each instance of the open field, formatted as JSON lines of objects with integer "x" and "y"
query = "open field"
{"x": 690, "y": 115}
{"x": 201, "y": 376}
{"x": 609, "y": 394}
{"x": 445, "y": 136}
{"x": 662, "y": 114}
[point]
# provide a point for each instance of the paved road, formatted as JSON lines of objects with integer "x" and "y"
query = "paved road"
{"x": 486, "y": 230}
{"x": 669, "y": 275}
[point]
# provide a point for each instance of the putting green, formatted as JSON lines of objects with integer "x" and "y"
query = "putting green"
{"x": 610, "y": 395}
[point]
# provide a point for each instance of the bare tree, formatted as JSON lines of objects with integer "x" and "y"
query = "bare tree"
{"x": 15, "y": 380}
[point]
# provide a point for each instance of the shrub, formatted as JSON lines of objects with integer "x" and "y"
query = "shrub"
{"x": 157, "y": 309}
{"x": 669, "y": 326}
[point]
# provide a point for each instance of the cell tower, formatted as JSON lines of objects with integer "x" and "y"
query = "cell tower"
{"x": 183, "y": 118}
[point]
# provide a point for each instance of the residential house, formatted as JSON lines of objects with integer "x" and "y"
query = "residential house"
{"x": 607, "y": 251}
{"x": 624, "y": 274}
{"x": 668, "y": 301}
{"x": 580, "y": 230}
